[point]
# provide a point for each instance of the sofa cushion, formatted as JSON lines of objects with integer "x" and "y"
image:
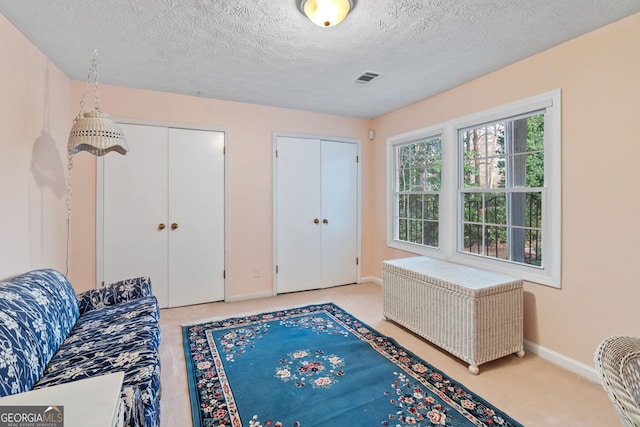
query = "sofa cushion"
{"x": 144, "y": 306}
{"x": 114, "y": 293}
{"x": 128, "y": 341}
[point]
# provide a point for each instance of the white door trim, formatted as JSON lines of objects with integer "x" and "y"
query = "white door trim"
{"x": 100, "y": 195}
{"x": 358, "y": 142}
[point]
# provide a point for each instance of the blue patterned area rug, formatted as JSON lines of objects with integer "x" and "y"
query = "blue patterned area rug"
{"x": 319, "y": 366}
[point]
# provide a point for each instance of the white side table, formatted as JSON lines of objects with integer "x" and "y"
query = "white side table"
{"x": 92, "y": 402}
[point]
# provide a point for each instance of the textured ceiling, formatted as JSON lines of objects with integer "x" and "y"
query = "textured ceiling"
{"x": 267, "y": 52}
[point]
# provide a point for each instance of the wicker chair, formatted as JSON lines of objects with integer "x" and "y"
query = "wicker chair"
{"x": 617, "y": 362}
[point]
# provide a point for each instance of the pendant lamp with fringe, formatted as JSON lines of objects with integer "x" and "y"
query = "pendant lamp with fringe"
{"x": 95, "y": 131}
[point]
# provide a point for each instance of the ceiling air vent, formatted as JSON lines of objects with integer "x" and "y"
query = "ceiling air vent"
{"x": 367, "y": 77}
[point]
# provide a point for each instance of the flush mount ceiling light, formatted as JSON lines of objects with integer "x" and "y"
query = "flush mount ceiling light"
{"x": 326, "y": 13}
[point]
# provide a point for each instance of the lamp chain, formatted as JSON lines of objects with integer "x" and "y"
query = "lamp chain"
{"x": 69, "y": 191}
{"x": 94, "y": 66}
{"x": 92, "y": 76}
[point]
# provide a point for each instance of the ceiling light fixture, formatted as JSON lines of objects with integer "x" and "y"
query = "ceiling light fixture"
{"x": 95, "y": 131}
{"x": 326, "y": 13}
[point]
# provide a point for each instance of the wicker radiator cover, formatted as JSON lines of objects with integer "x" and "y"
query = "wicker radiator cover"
{"x": 471, "y": 313}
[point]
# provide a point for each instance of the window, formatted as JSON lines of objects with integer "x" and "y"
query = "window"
{"x": 503, "y": 186}
{"x": 482, "y": 190}
{"x": 417, "y": 191}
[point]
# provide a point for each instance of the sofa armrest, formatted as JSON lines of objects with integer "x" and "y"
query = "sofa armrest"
{"x": 133, "y": 408}
{"x": 114, "y": 293}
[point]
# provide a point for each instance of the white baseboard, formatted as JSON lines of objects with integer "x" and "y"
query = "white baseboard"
{"x": 563, "y": 361}
{"x": 370, "y": 279}
{"x": 245, "y": 297}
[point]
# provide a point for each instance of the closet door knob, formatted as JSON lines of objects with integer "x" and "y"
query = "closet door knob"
{"x": 161, "y": 226}
{"x": 174, "y": 226}
{"x": 316, "y": 221}
{"x": 325, "y": 221}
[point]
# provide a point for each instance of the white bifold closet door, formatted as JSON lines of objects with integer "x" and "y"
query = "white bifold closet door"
{"x": 163, "y": 213}
{"x": 316, "y": 212}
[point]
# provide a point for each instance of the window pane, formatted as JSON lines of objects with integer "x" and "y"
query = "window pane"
{"x": 472, "y": 159}
{"x": 496, "y": 172}
{"x": 533, "y": 210}
{"x": 517, "y": 171}
{"x": 533, "y": 247}
{"x": 494, "y": 138}
{"x": 403, "y": 169}
{"x": 472, "y": 173}
{"x": 415, "y": 206}
{"x": 483, "y": 156}
{"x": 431, "y": 207}
{"x": 431, "y": 234}
{"x": 535, "y": 132}
{"x": 495, "y": 240}
{"x": 402, "y": 229}
{"x": 526, "y": 246}
{"x": 473, "y": 241}
{"x": 415, "y": 231}
{"x": 418, "y": 181}
{"x": 431, "y": 164}
{"x": 535, "y": 170}
{"x": 517, "y": 210}
{"x": 422, "y": 224}
{"x": 495, "y": 208}
{"x": 473, "y": 207}
{"x": 403, "y": 200}
{"x": 419, "y": 166}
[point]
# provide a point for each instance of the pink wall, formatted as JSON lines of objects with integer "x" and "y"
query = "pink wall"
{"x": 249, "y": 164}
{"x": 34, "y": 120}
{"x": 599, "y": 74}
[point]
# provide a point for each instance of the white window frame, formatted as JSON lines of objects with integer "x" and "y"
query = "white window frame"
{"x": 392, "y": 143}
{"x": 450, "y": 215}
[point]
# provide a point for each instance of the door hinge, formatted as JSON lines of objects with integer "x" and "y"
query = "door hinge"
{"x": 102, "y": 285}
{"x": 357, "y": 261}
{"x": 224, "y": 274}
{"x": 276, "y": 269}
{"x": 357, "y": 159}
{"x": 276, "y": 154}
{"x": 224, "y": 150}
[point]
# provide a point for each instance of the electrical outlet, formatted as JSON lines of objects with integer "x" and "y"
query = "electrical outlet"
{"x": 256, "y": 273}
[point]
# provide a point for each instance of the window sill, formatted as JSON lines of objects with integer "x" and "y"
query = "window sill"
{"x": 527, "y": 273}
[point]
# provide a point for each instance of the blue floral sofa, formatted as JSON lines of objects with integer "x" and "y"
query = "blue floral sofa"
{"x": 49, "y": 335}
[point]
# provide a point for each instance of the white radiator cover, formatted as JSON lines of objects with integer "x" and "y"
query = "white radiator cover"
{"x": 473, "y": 314}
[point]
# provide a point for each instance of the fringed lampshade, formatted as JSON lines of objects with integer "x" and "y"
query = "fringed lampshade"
{"x": 97, "y": 134}
{"x": 95, "y": 131}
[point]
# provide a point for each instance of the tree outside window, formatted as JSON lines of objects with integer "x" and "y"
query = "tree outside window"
{"x": 503, "y": 188}
{"x": 417, "y": 191}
